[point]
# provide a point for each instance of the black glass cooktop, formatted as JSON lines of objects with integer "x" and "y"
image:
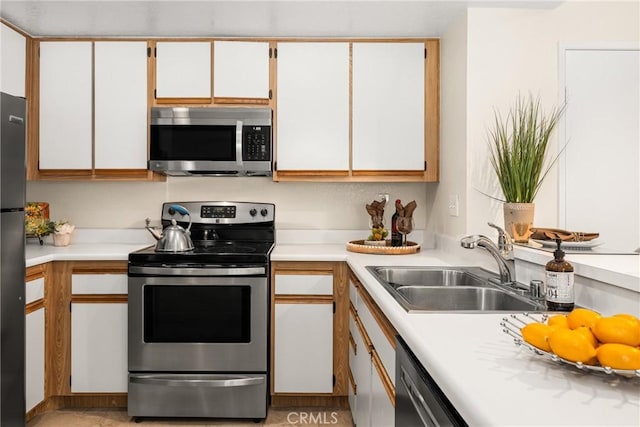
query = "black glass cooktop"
{"x": 207, "y": 252}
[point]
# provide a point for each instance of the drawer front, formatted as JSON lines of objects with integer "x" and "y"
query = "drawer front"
{"x": 34, "y": 290}
{"x": 99, "y": 284}
{"x": 379, "y": 340}
{"x": 353, "y": 293}
{"x": 304, "y": 284}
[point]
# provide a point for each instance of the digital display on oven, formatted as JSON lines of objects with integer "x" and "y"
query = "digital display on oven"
{"x": 218, "y": 212}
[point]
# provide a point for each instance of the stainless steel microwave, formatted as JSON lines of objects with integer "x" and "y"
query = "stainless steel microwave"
{"x": 211, "y": 141}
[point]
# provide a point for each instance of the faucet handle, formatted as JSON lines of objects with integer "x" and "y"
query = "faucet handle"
{"x": 505, "y": 244}
{"x": 500, "y": 229}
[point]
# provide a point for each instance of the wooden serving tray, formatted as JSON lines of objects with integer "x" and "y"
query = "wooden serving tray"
{"x": 359, "y": 246}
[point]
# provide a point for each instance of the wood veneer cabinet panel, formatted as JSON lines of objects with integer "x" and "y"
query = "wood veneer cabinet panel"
{"x": 58, "y": 329}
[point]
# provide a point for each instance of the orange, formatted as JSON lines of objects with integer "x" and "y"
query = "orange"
{"x": 559, "y": 320}
{"x": 582, "y": 317}
{"x": 627, "y": 316}
{"x": 572, "y": 345}
{"x": 586, "y": 332}
{"x": 619, "y": 356}
{"x": 536, "y": 334}
{"x": 617, "y": 330}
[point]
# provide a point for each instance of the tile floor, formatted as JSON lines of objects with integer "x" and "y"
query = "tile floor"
{"x": 115, "y": 418}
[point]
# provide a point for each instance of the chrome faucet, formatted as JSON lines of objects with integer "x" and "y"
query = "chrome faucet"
{"x": 502, "y": 253}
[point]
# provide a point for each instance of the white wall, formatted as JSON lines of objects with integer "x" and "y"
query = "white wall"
{"x": 453, "y": 133}
{"x": 511, "y": 51}
{"x": 339, "y": 206}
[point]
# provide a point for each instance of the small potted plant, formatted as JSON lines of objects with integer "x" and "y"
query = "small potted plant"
{"x": 62, "y": 232}
{"x": 518, "y": 153}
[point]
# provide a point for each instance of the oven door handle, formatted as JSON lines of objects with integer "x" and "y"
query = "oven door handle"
{"x": 204, "y": 271}
{"x": 197, "y": 381}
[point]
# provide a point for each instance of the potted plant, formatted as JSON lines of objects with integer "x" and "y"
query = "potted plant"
{"x": 518, "y": 154}
{"x": 62, "y": 232}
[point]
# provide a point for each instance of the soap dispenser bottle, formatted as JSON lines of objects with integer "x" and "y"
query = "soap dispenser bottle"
{"x": 559, "y": 282}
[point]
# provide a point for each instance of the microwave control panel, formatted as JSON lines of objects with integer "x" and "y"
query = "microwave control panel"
{"x": 257, "y": 143}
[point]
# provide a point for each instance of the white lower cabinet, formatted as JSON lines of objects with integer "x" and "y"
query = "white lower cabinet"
{"x": 382, "y": 409}
{"x": 34, "y": 358}
{"x": 303, "y": 351}
{"x": 99, "y": 333}
{"x": 99, "y": 347}
{"x": 34, "y": 338}
{"x": 375, "y": 394}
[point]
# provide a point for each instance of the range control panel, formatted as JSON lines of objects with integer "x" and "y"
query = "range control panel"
{"x": 218, "y": 212}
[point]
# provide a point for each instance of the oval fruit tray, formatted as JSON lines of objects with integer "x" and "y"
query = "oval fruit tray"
{"x": 511, "y": 326}
{"x": 361, "y": 247}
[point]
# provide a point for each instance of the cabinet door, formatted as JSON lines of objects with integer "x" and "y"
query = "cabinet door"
{"x": 303, "y": 352}
{"x": 313, "y": 106}
{"x": 13, "y": 61}
{"x": 382, "y": 408}
{"x": 34, "y": 358}
{"x": 240, "y": 69}
{"x": 99, "y": 347}
{"x": 361, "y": 370}
{"x": 183, "y": 70}
{"x": 121, "y": 105}
{"x": 65, "y": 105}
{"x": 388, "y": 106}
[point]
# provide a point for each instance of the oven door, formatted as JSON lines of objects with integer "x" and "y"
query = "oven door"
{"x": 198, "y": 324}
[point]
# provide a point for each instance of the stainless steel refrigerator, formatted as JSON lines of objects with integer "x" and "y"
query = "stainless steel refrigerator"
{"x": 12, "y": 266}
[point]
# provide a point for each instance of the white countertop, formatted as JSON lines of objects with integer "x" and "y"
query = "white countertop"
{"x": 489, "y": 379}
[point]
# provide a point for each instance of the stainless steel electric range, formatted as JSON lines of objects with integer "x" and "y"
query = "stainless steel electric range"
{"x": 198, "y": 319}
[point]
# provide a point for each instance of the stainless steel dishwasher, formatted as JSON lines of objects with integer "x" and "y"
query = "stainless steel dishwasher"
{"x": 419, "y": 400}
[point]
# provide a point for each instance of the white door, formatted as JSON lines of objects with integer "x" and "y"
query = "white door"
{"x": 13, "y": 46}
{"x": 183, "y": 70}
{"x": 99, "y": 347}
{"x": 313, "y": 106}
{"x": 34, "y": 358}
{"x": 120, "y": 105}
{"x": 240, "y": 69}
{"x": 388, "y": 106}
{"x": 66, "y": 105}
{"x": 599, "y": 177}
{"x": 303, "y": 353}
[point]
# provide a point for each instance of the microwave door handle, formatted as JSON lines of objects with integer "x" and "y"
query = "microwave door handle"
{"x": 239, "y": 143}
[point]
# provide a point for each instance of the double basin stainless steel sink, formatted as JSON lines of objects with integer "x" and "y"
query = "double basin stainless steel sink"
{"x": 455, "y": 289}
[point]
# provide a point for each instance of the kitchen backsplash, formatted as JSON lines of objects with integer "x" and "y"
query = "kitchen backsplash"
{"x": 316, "y": 206}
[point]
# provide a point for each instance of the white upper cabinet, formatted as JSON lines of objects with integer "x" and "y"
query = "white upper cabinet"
{"x": 120, "y": 105}
{"x": 313, "y": 106}
{"x": 240, "y": 69}
{"x": 183, "y": 70}
{"x": 13, "y": 46}
{"x": 65, "y": 105}
{"x": 388, "y": 106}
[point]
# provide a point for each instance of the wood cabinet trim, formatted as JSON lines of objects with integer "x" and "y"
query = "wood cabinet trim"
{"x": 352, "y": 343}
{"x": 303, "y": 299}
{"x": 99, "y": 267}
{"x": 384, "y": 324}
{"x": 352, "y": 382}
{"x": 384, "y": 377}
{"x": 34, "y": 306}
{"x": 363, "y": 334}
{"x": 35, "y": 272}
{"x": 98, "y": 298}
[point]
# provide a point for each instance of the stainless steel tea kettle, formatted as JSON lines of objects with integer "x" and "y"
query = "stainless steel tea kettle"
{"x": 174, "y": 238}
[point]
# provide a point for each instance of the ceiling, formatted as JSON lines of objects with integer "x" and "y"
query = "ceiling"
{"x": 240, "y": 18}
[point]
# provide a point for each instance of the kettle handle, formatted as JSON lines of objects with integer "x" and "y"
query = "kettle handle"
{"x": 182, "y": 211}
